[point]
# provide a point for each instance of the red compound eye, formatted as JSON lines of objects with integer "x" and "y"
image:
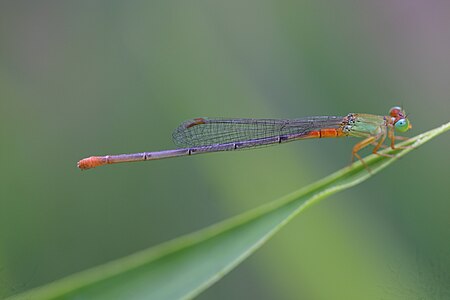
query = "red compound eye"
{"x": 395, "y": 111}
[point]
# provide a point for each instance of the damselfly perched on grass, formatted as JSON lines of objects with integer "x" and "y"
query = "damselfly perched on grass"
{"x": 205, "y": 135}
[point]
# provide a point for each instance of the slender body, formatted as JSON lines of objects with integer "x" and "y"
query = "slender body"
{"x": 204, "y": 135}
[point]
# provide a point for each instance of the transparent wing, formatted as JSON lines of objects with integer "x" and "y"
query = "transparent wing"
{"x": 205, "y": 131}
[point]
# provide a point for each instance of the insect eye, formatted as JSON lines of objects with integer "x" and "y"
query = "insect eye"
{"x": 395, "y": 111}
{"x": 402, "y": 125}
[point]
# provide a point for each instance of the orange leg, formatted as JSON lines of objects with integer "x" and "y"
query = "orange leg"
{"x": 378, "y": 145}
{"x": 361, "y": 145}
{"x": 393, "y": 137}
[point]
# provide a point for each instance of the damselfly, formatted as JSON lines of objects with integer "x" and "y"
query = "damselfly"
{"x": 204, "y": 135}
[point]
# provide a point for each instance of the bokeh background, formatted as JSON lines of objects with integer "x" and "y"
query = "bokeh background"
{"x": 80, "y": 78}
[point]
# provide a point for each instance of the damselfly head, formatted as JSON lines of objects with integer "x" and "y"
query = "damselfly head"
{"x": 399, "y": 119}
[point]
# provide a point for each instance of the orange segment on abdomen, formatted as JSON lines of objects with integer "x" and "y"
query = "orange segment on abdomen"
{"x": 325, "y": 133}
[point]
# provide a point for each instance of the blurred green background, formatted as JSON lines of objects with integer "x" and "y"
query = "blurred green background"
{"x": 80, "y": 78}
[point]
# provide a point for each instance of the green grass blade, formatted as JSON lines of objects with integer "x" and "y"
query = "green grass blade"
{"x": 186, "y": 266}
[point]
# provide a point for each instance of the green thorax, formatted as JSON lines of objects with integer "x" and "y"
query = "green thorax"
{"x": 363, "y": 125}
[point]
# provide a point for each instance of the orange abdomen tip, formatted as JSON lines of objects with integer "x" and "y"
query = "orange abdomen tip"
{"x": 91, "y": 162}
